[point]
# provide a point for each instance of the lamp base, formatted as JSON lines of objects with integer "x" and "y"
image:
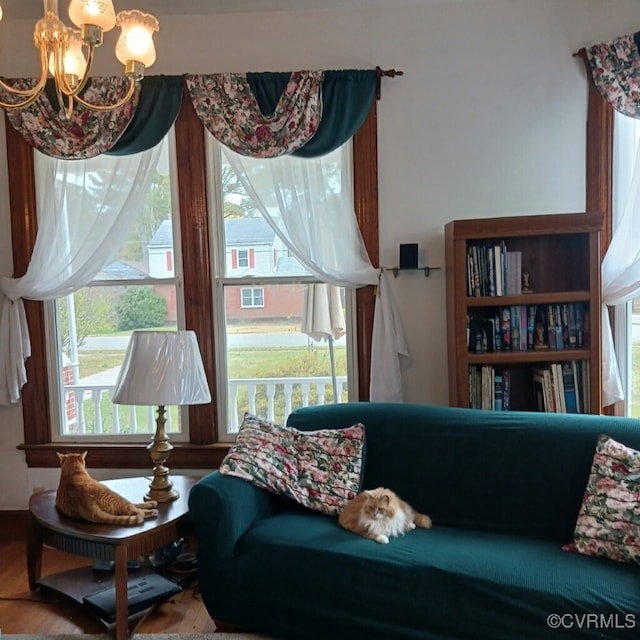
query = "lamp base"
{"x": 162, "y": 495}
{"x": 161, "y": 488}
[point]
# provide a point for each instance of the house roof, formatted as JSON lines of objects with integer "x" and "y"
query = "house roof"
{"x": 290, "y": 266}
{"x": 236, "y": 230}
{"x": 163, "y": 237}
{"x": 248, "y": 231}
{"x": 119, "y": 270}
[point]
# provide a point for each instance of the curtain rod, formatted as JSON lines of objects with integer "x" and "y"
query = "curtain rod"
{"x": 388, "y": 73}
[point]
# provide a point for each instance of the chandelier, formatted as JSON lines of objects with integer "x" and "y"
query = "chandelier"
{"x": 62, "y": 51}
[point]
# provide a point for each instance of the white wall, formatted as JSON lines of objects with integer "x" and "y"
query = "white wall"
{"x": 488, "y": 120}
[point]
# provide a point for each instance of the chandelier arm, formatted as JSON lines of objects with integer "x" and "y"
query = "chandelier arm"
{"x": 70, "y": 91}
{"x": 22, "y": 92}
{"x": 120, "y": 103}
{"x": 67, "y": 108}
{"x": 20, "y": 105}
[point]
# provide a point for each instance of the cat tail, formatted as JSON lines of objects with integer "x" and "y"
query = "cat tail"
{"x": 421, "y": 520}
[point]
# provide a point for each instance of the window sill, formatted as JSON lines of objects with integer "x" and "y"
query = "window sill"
{"x": 132, "y": 456}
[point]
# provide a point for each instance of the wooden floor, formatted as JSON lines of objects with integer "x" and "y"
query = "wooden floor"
{"x": 22, "y": 611}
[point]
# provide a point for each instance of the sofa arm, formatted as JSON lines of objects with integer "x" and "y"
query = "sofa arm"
{"x": 221, "y": 509}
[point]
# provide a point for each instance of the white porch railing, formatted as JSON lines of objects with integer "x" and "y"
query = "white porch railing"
{"x": 89, "y": 410}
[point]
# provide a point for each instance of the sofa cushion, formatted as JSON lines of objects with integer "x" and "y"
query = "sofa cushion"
{"x": 319, "y": 469}
{"x": 513, "y": 472}
{"x": 609, "y": 521}
{"x": 466, "y": 584}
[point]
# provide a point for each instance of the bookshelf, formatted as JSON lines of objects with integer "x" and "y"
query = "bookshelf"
{"x": 505, "y": 328}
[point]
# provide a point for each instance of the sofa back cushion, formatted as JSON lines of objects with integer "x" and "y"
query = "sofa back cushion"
{"x": 514, "y": 472}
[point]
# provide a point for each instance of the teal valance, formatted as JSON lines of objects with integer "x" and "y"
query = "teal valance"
{"x": 158, "y": 107}
{"x": 346, "y": 99}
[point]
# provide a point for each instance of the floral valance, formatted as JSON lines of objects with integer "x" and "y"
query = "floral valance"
{"x": 226, "y": 105}
{"x": 86, "y": 133}
{"x": 615, "y": 70}
{"x": 305, "y": 113}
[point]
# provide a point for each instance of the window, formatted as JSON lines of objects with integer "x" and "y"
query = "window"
{"x": 627, "y": 315}
{"x": 253, "y": 297}
{"x": 275, "y": 357}
{"x": 195, "y": 230}
{"x": 88, "y": 331}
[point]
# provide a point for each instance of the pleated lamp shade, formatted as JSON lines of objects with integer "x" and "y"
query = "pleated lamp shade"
{"x": 162, "y": 368}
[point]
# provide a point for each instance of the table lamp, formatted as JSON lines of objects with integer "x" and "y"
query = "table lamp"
{"x": 162, "y": 368}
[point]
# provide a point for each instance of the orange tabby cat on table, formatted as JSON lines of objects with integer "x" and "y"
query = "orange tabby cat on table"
{"x": 380, "y": 514}
{"x": 81, "y": 496}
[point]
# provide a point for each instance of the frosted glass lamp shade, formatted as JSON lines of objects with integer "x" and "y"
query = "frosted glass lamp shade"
{"x": 162, "y": 368}
{"x": 96, "y": 12}
{"x": 135, "y": 43}
{"x": 73, "y": 61}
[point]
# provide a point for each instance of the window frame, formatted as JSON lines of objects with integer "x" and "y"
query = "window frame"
{"x": 252, "y": 292}
{"x": 599, "y": 181}
{"x": 204, "y": 449}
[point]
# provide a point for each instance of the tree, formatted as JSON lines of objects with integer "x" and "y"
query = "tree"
{"x": 140, "y": 308}
{"x": 157, "y": 207}
{"x": 93, "y": 312}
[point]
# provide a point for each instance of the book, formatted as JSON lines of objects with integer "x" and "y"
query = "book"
{"x": 577, "y": 385}
{"x": 497, "y": 258}
{"x": 491, "y": 271}
{"x": 531, "y": 324}
{"x": 505, "y": 328}
{"x": 557, "y": 317}
{"x": 514, "y": 272}
{"x": 569, "y": 386}
{"x": 542, "y": 379}
{"x": 515, "y": 327}
{"x": 498, "y": 392}
{"x": 573, "y": 329}
{"x": 558, "y": 388}
{"x": 565, "y": 326}
{"x": 551, "y": 328}
{"x": 506, "y": 393}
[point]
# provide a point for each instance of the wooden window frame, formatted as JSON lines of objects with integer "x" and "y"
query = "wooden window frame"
{"x": 203, "y": 449}
{"x": 599, "y": 179}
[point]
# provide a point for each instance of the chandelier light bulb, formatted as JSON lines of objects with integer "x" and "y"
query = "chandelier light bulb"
{"x": 0, "y": 12}
{"x": 73, "y": 61}
{"x": 135, "y": 43}
{"x": 99, "y": 13}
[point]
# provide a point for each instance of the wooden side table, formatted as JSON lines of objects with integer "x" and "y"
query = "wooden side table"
{"x": 102, "y": 542}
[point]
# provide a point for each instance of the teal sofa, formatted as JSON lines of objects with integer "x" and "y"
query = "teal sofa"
{"x": 503, "y": 489}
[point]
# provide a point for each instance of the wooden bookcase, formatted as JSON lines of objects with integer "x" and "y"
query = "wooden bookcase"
{"x": 561, "y": 252}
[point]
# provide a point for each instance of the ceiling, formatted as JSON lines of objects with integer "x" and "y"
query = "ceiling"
{"x": 19, "y": 9}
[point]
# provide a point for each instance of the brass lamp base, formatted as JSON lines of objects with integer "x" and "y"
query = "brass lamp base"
{"x": 162, "y": 491}
{"x": 161, "y": 488}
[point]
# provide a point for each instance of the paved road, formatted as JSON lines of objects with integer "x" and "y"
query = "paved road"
{"x": 279, "y": 339}
{"x": 235, "y": 340}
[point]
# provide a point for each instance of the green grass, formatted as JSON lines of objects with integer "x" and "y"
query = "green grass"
{"x": 294, "y": 362}
{"x": 245, "y": 363}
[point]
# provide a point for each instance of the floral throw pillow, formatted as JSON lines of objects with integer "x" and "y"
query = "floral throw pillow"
{"x": 318, "y": 469}
{"x": 609, "y": 521}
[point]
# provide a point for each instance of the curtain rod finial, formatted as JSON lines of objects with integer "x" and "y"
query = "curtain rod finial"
{"x": 389, "y": 73}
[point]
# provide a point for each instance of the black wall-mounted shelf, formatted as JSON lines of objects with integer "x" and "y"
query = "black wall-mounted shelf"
{"x": 396, "y": 270}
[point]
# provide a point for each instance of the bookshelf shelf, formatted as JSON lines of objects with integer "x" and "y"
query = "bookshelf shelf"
{"x": 529, "y": 298}
{"x": 486, "y": 308}
{"x": 534, "y": 355}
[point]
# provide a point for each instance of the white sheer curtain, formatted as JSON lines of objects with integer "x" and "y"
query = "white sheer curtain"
{"x": 621, "y": 264}
{"x": 313, "y": 215}
{"x": 85, "y": 211}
